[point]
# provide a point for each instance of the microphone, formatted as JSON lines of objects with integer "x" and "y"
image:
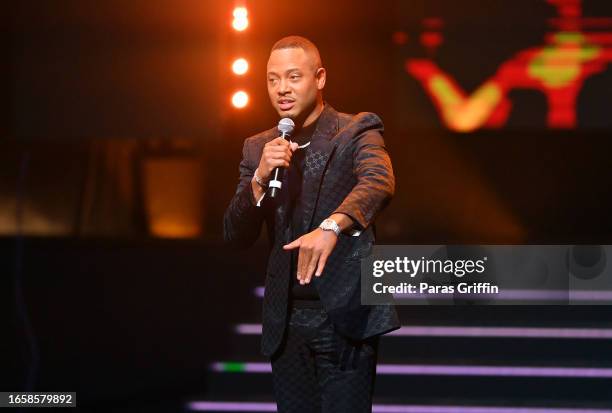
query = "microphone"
{"x": 285, "y": 127}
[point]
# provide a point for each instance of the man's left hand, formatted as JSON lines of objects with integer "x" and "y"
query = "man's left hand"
{"x": 315, "y": 247}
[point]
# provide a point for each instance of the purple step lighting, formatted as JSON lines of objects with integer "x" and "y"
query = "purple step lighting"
{"x": 259, "y": 291}
{"x": 540, "y": 295}
{"x": 226, "y": 406}
{"x": 519, "y": 295}
{"x": 443, "y": 370}
{"x": 454, "y": 331}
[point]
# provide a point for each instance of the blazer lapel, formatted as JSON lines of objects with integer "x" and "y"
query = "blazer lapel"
{"x": 320, "y": 152}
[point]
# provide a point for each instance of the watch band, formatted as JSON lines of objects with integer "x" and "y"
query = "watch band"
{"x": 330, "y": 225}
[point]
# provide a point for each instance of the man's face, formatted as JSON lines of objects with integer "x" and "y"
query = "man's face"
{"x": 294, "y": 81}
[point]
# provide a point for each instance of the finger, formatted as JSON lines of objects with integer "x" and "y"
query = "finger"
{"x": 292, "y": 245}
{"x": 321, "y": 266}
{"x": 275, "y": 153}
{"x": 279, "y": 162}
{"x": 276, "y": 148}
{"x": 281, "y": 141}
{"x": 303, "y": 260}
{"x": 281, "y": 155}
{"x": 293, "y": 146}
{"x": 273, "y": 143}
{"x": 297, "y": 268}
{"x": 279, "y": 148}
{"x": 279, "y": 158}
{"x": 314, "y": 258}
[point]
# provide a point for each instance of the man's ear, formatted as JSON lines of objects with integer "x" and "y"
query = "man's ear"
{"x": 321, "y": 76}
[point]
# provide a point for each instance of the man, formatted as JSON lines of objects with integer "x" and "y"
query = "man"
{"x": 337, "y": 177}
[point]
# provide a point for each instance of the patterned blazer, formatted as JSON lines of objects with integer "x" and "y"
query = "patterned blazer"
{"x": 352, "y": 174}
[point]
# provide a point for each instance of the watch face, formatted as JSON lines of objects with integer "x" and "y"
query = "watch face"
{"x": 330, "y": 225}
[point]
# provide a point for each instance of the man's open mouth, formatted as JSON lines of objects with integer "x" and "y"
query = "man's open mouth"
{"x": 286, "y": 104}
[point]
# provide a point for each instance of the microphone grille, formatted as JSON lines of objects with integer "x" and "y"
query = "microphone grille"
{"x": 286, "y": 126}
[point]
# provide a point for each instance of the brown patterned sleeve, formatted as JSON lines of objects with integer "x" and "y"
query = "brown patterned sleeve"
{"x": 375, "y": 180}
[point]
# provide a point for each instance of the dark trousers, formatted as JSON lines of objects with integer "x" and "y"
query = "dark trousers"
{"x": 317, "y": 370}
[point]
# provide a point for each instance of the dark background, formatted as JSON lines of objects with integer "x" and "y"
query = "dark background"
{"x": 96, "y": 90}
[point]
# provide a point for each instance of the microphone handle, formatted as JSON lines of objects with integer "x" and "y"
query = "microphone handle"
{"x": 273, "y": 189}
{"x": 275, "y": 183}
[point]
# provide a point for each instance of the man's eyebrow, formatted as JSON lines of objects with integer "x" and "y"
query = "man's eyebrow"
{"x": 294, "y": 69}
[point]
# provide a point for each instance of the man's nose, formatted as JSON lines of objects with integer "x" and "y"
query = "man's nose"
{"x": 283, "y": 87}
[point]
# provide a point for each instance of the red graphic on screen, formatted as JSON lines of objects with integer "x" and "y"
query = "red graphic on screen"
{"x": 558, "y": 69}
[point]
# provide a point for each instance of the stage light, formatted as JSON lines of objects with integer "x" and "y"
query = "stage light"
{"x": 240, "y": 12}
{"x": 240, "y": 66}
{"x": 241, "y": 20}
{"x": 240, "y": 99}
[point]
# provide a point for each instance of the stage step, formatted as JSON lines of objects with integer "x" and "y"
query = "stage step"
{"x": 498, "y": 359}
{"x": 388, "y": 406}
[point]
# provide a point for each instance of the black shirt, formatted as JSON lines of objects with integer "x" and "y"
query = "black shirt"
{"x": 296, "y": 173}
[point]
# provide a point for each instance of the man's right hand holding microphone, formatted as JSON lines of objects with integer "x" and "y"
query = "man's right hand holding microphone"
{"x": 276, "y": 154}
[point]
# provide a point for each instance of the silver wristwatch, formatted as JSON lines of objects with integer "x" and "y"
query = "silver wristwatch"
{"x": 330, "y": 225}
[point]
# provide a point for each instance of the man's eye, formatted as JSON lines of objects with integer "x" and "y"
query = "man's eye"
{"x": 295, "y": 77}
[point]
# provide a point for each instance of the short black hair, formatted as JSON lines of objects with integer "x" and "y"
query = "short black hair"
{"x": 298, "y": 42}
